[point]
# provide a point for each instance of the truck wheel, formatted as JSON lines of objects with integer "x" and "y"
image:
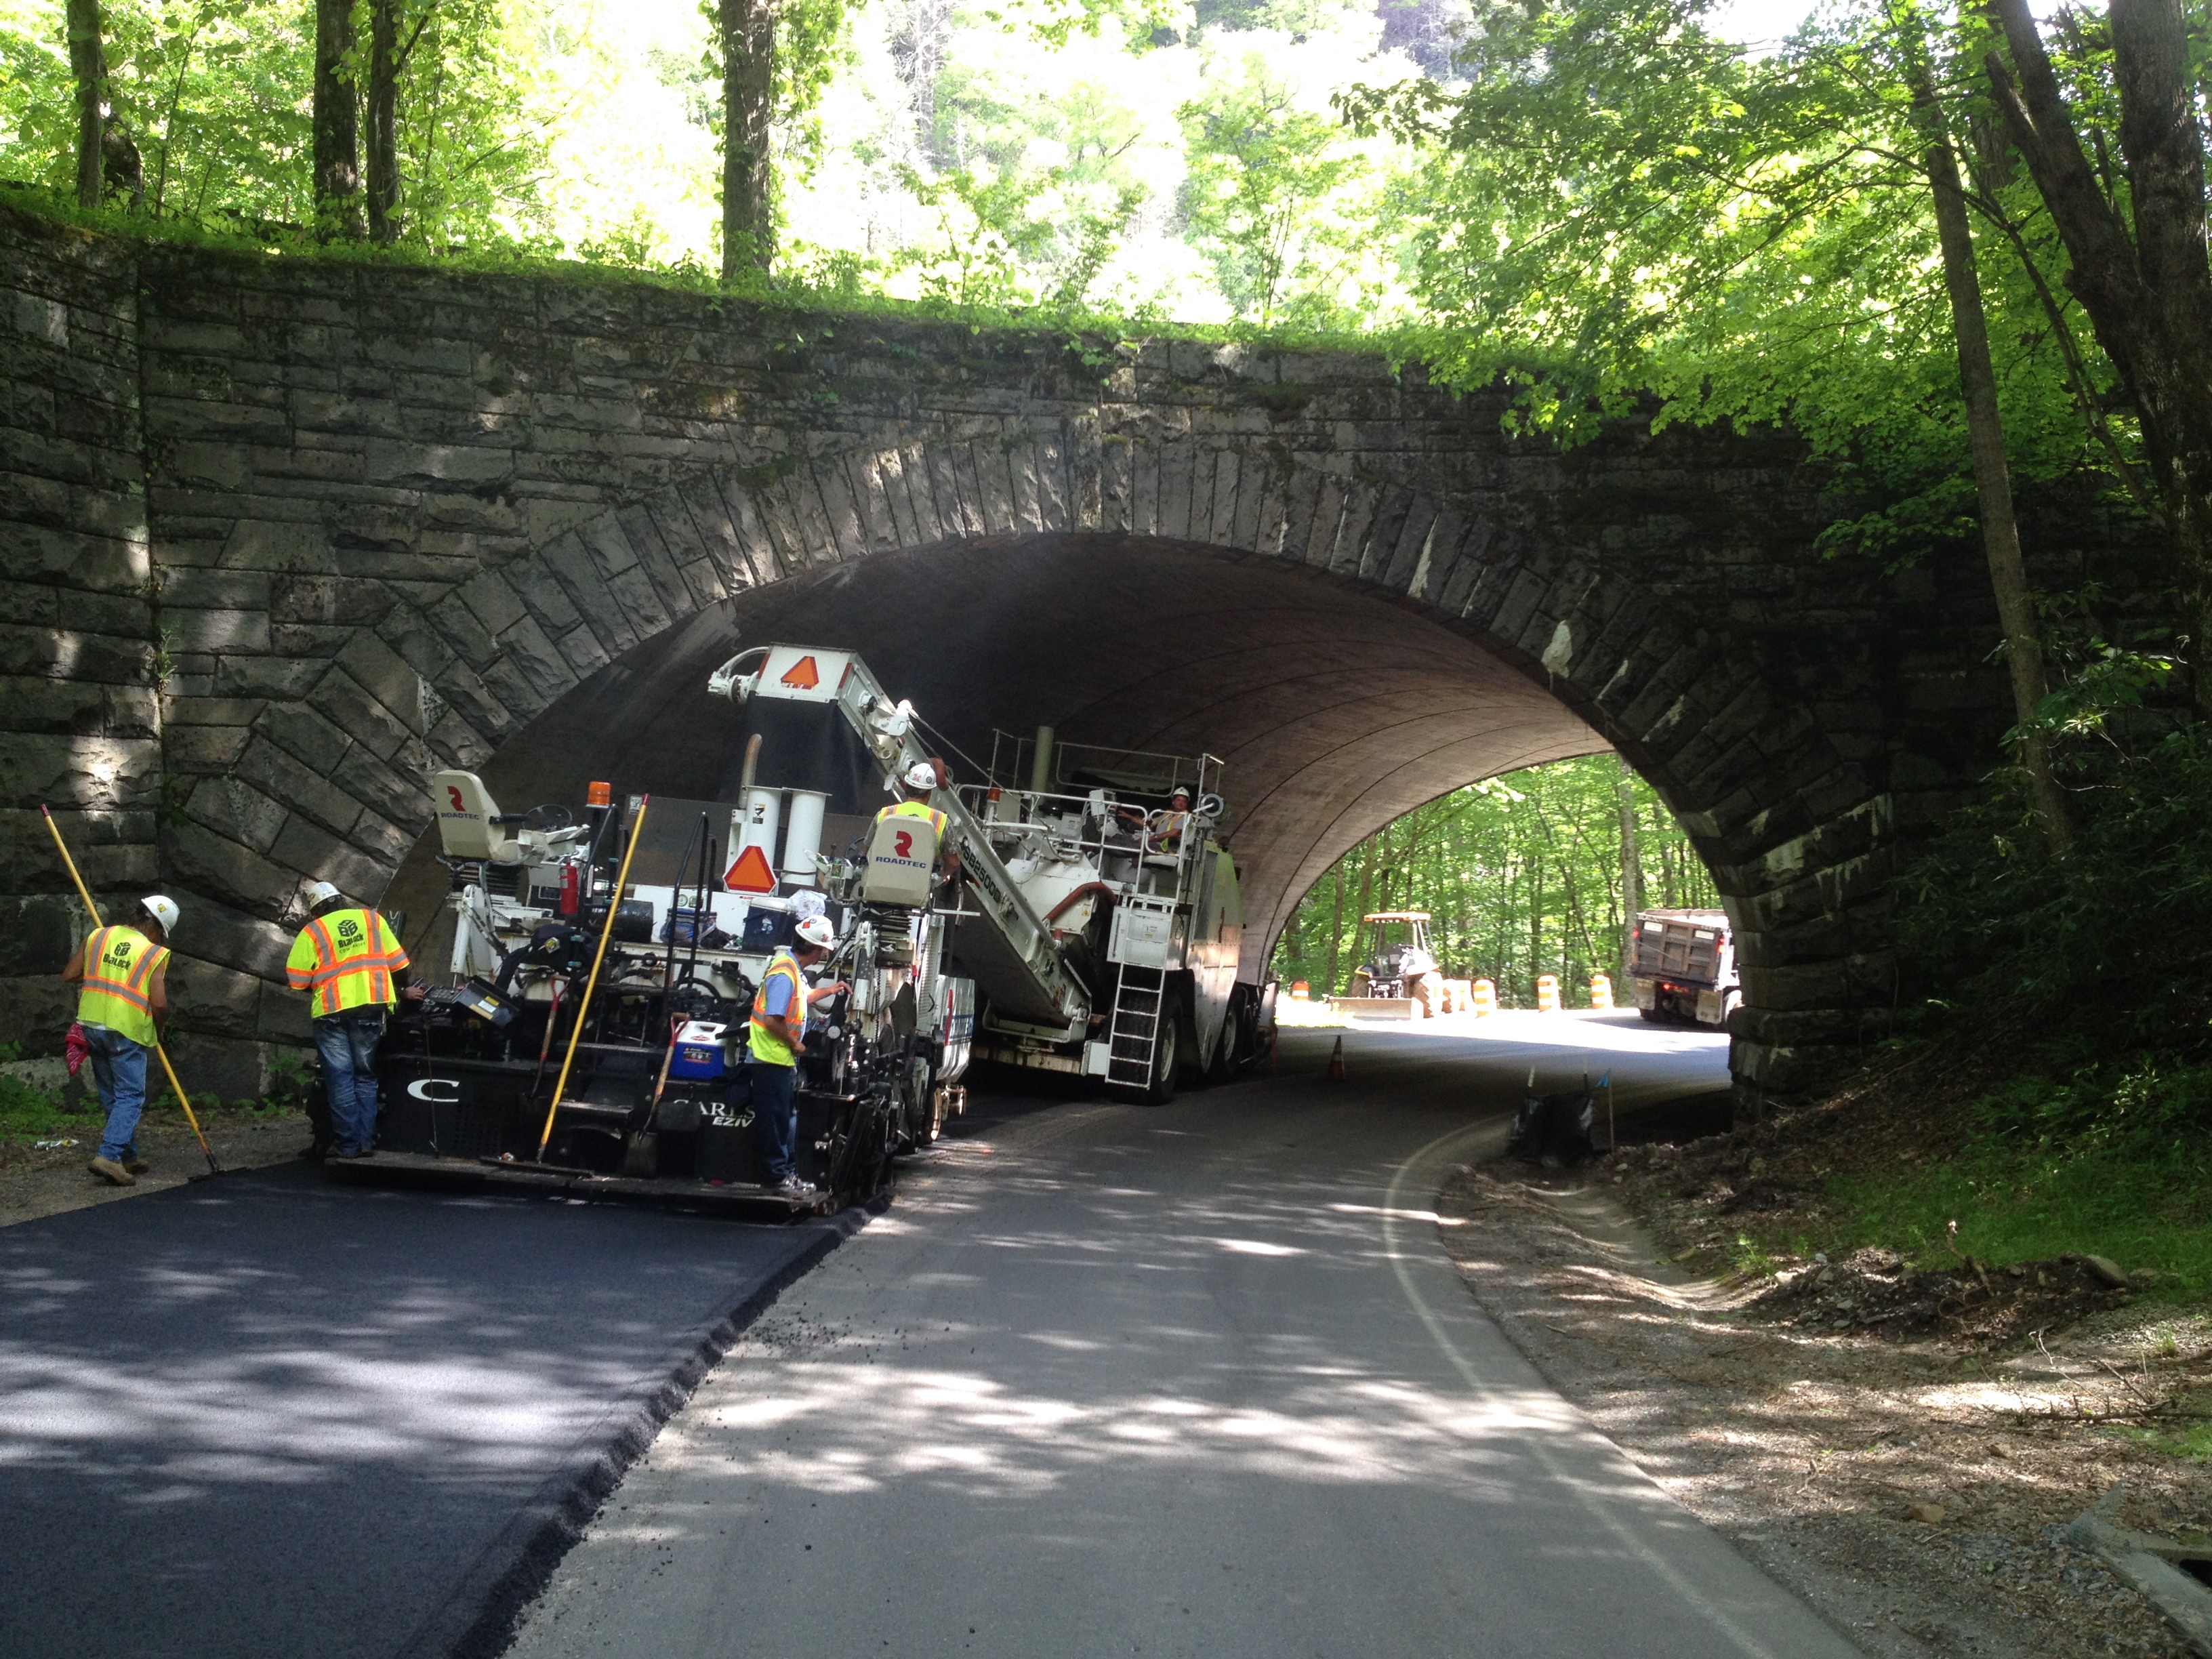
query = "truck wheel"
{"x": 1650, "y": 1013}
{"x": 1166, "y": 1062}
{"x": 1223, "y": 1066}
{"x": 1363, "y": 983}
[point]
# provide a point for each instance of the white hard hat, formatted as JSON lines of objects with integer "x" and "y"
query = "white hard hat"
{"x": 921, "y": 775}
{"x": 321, "y": 894}
{"x": 163, "y": 909}
{"x": 815, "y": 931}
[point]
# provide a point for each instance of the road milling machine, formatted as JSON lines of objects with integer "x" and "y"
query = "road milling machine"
{"x": 1074, "y": 910}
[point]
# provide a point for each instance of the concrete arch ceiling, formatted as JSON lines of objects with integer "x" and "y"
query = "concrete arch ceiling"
{"x": 1335, "y": 709}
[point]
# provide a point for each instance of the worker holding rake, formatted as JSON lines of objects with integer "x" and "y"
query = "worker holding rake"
{"x": 125, "y": 972}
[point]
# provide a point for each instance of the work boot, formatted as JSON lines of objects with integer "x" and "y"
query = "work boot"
{"x": 792, "y": 1186}
{"x": 109, "y": 1170}
{"x": 136, "y": 1166}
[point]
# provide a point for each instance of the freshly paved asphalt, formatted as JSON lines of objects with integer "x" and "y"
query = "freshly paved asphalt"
{"x": 1191, "y": 1380}
{"x": 267, "y": 1416}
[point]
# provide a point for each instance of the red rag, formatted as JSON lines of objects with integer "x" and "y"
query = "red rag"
{"x": 75, "y": 1048}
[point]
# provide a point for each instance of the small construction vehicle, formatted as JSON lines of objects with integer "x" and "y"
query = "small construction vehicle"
{"x": 1399, "y": 978}
{"x": 1684, "y": 966}
{"x": 603, "y": 968}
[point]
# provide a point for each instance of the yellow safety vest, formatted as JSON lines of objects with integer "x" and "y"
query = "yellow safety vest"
{"x": 120, "y": 964}
{"x": 346, "y": 958}
{"x": 764, "y": 1044}
{"x": 917, "y": 809}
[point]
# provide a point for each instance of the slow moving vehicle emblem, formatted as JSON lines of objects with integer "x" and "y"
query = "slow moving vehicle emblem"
{"x": 802, "y": 676}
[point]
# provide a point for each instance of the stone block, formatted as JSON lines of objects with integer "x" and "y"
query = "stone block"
{"x": 210, "y": 863}
{"x": 43, "y": 930}
{"x": 93, "y": 773}
{"x": 305, "y": 849}
{"x": 299, "y": 786}
{"x": 99, "y": 563}
{"x": 224, "y": 632}
{"x": 203, "y": 750}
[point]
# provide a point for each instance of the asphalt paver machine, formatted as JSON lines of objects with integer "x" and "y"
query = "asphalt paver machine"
{"x": 604, "y": 961}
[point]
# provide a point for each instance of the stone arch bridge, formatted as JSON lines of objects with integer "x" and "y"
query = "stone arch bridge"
{"x": 279, "y": 538}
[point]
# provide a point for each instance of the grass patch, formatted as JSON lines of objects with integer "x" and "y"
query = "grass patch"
{"x": 29, "y": 1112}
{"x": 2141, "y": 1199}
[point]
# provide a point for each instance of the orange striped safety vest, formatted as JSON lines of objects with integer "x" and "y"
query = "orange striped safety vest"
{"x": 120, "y": 964}
{"x": 346, "y": 958}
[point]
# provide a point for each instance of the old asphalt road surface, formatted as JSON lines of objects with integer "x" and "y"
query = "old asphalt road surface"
{"x": 265, "y": 1417}
{"x": 1193, "y": 1380}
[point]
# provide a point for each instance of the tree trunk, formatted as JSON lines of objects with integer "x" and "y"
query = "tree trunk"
{"x": 2148, "y": 290}
{"x": 1992, "y": 472}
{"x": 337, "y": 125}
{"x": 88, "y": 66}
{"x": 384, "y": 67}
{"x": 748, "y": 29}
{"x": 1632, "y": 867}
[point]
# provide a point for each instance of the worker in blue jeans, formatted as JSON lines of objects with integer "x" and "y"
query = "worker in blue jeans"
{"x": 349, "y": 959}
{"x": 768, "y": 1080}
{"x": 124, "y": 974}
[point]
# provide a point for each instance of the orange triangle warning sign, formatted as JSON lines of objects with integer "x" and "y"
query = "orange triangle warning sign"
{"x": 750, "y": 873}
{"x": 803, "y": 675}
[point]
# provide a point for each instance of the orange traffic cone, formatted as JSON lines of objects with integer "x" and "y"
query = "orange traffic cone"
{"x": 1336, "y": 1062}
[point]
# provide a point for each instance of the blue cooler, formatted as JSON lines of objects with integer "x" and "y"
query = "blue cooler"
{"x": 698, "y": 1057}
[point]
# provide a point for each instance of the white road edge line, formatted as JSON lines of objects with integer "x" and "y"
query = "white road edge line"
{"x": 1603, "y": 1513}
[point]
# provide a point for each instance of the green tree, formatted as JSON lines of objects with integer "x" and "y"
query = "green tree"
{"x": 1262, "y": 174}
{"x": 1521, "y": 875}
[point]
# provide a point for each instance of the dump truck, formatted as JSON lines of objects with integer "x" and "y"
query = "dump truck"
{"x": 1684, "y": 966}
{"x": 1072, "y": 917}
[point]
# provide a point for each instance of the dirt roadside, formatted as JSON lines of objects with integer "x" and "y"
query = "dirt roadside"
{"x": 36, "y": 1182}
{"x": 1911, "y": 1483}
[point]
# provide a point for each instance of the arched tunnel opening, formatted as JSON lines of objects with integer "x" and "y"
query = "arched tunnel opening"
{"x": 1334, "y": 710}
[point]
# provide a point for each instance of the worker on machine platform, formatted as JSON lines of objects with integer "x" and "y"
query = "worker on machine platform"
{"x": 1169, "y": 825}
{"x": 125, "y": 973}
{"x": 768, "y": 1080}
{"x": 922, "y": 779}
{"x": 349, "y": 959}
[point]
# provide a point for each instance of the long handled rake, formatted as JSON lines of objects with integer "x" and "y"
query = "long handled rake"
{"x": 183, "y": 1099}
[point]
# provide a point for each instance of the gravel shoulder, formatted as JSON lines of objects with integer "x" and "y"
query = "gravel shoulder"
{"x": 1913, "y": 1487}
{"x": 40, "y": 1181}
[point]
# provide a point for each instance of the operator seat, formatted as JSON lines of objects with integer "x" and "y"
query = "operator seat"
{"x": 902, "y": 862}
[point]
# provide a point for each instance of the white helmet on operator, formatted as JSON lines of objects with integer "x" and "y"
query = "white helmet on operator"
{"x": 922, "y": 774}
{"x": 817, "y": 932}
{"x": 321, "y": 894}
{"x": 163, "y": 909}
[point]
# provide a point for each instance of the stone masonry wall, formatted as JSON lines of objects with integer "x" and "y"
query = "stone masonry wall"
{"x": 389, "y": 516}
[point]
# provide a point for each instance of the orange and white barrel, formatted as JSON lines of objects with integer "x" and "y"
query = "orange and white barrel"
{"x": 1600, "y": 991}
{"x": 1547, "y": 994}
{"x": 1485, "y": 997}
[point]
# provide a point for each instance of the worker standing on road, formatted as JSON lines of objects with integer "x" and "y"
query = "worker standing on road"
{"x": 769, "y": 1079}
{"x": 349, "y": 959}
{"x": 126, "y": 999}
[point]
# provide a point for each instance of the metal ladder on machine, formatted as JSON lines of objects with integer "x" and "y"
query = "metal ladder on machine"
{"x": 1134, "y": 1033}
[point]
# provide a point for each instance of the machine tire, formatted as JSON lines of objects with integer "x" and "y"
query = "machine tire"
{"x": 1363, "y": 983}
{"x": 1651, "y": 1014}
{"x": 1167, "y": 1063}
{"x": 1429, "y": 995}
{"x": 1222, "y": 1068}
